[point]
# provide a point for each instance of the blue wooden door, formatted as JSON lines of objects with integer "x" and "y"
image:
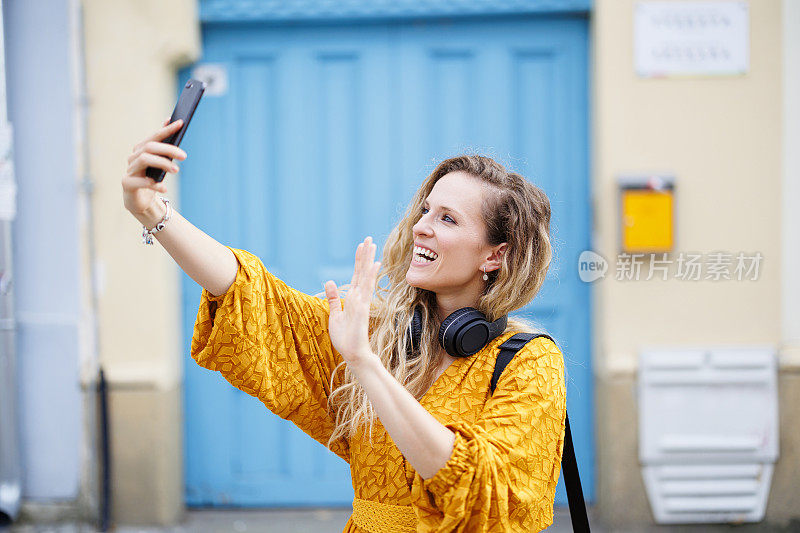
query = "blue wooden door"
{"x": 321, "y": 138}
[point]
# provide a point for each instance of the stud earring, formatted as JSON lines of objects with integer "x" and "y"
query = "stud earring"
{"x": 485, "y": 276}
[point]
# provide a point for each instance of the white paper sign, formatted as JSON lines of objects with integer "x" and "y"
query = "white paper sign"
{"x": 8, "y": 186}
{"x": 673, "y": 39}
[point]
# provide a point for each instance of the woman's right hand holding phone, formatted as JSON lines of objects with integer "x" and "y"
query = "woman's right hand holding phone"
{"x": 138, "y": 190}
{"x": 209, "y": 263}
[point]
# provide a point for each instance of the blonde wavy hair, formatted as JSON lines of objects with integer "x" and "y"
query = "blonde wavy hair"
{"x": 516, "y": 212}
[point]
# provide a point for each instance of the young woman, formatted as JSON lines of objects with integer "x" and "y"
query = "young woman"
{"x": 430, "y": 449}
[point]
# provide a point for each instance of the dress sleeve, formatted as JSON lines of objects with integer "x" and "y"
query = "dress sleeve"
{"x": 503, "y": 471}
{"x": 272, "y": 342}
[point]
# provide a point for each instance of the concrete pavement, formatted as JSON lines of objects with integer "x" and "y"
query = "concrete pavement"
{"x": 330, "y": 520}
{"x": 244, "y": 521}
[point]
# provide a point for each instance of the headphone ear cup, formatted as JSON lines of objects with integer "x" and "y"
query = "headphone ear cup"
{"x": 414, "y": 333}
{"x": 464, "y": 332}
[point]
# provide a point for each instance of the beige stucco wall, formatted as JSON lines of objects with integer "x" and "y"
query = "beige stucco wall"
{"x": 722, "y": 138}
{"x": 133, "y": 50}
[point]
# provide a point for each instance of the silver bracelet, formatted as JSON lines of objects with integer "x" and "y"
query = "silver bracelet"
{"x": 147, "y": 234}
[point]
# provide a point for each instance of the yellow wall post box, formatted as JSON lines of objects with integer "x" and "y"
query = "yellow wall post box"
{"x": 646, "y": 207}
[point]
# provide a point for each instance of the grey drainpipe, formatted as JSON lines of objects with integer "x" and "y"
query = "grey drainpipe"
{"x": 96, "y": 482}
{"x": 10, "y": 462}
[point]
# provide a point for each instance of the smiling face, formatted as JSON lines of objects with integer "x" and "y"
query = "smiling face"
{"x": 452, "y": 227}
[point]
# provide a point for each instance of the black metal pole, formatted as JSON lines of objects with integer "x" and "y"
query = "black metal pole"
{"x": 105, "y": 483}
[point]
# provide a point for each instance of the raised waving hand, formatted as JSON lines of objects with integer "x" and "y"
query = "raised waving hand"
{"x": 349, "y": 323}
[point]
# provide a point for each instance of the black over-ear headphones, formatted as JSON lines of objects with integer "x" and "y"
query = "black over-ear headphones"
{"x": 465, "y": 332}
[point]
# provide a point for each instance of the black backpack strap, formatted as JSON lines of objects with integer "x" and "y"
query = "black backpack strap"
{"x": 577, "y": 506}
{"x": 507, "y": 352}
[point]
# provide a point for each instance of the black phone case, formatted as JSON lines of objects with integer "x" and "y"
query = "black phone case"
{"x": 184, "y": 109}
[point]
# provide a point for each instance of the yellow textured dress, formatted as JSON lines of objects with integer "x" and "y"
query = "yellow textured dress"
{"x": 271, "y": 341}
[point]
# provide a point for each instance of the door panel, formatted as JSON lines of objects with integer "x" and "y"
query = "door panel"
{"x": 324, "y": 134}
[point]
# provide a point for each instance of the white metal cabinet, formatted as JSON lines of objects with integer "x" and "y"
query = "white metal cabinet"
{"x": 708, "y": 432}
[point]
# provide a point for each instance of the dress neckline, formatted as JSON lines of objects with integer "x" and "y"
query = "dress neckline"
{"x": 457, "y": 364}
{"x": 444, "y": 376}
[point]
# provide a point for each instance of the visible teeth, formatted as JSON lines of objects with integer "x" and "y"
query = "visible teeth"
{"x": 427, "y": 253}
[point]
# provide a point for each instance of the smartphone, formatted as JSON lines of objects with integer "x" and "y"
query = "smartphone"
{"x": 184, "y": 109}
